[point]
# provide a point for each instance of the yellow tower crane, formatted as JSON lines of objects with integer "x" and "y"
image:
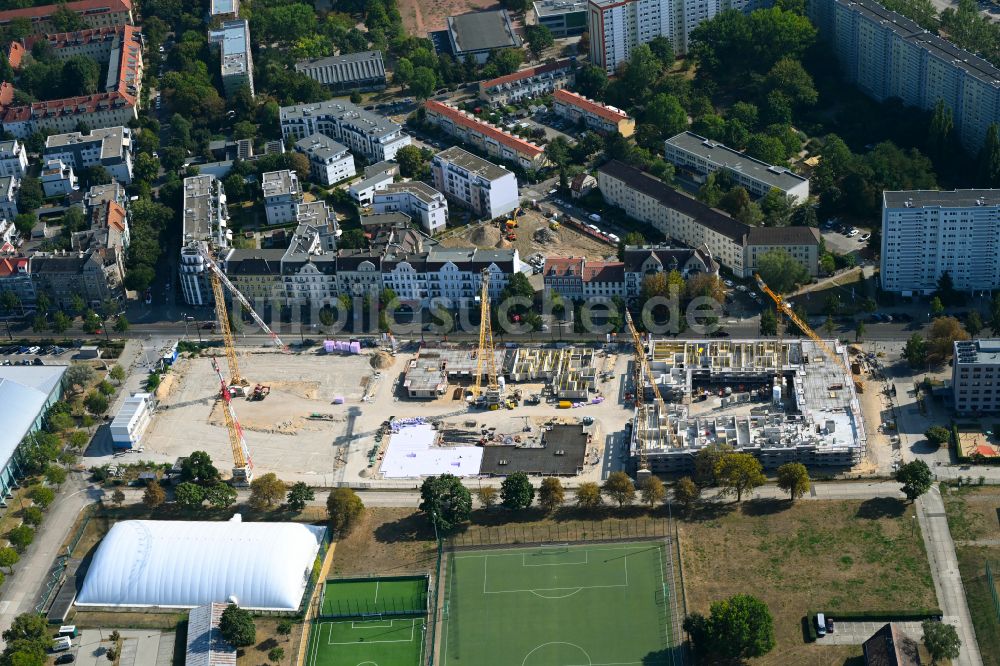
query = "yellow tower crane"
{"x": 784, "y": 308}
{"x": 485, "y": 356}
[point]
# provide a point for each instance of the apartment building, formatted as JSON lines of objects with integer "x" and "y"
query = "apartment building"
{"x": 236, "y": 61}
{"x": 418, "y": 200}
{"x": 109, "y": 147}
{"x": 363, "y": 191}
{"x": 282, "y": 195}
{"x": 94, "y": 43}
{"x": 450, "y": 275}
{"x": 329, "y": 161}
{"x": 596, "y": 116}
{"x": 690, "y": 222}
{"x": 617, "y": 27}
{"x": 15, "y": 277}
{"x": 115, "y": 104}
{"x": 564, "y": 276}
{"x": 106, "y": 212}
{"x": 483, "y": 136}
{"x": 641, "y": 261}
{"x": 96, "y": 276}
{"x": 204, "y": 228}
{"x": 563, "y": 18}
{"x": 889, "y": 56}
{"x": 975, "y": 376}
{"x": 700, "y": 157}
{"x": 58, "y": 178}
{"x": 256, "y": 273}
{"x": 224, "y": 10}
{"x": 10, "y": 186}
{"x": 487, "y": 189}
{"x": 528, "y": 83}
{"x": 94, "y": 13}
{"x": 363, "y": 132}
{"x": 362, "y": 71}
{"x": 926, "y": 233}
{"x": 13, "y": 158}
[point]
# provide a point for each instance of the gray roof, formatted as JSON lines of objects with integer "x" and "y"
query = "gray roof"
{"x": 113, "y": 141}
{"x": 936, "y": 46}
{"x": 479, "y": 31}
{"x": 983, "y": 350}
{"x": 783, "y": 236}
{"x": 279, "y": 183}
{"x": 556, "y": 7}
{"x": 24, "y": 390}
{"x": 636, "y": 255}
{"x": 671, "y": 198}
{"x": 381, "y": 167}
{"x": 471, "y": 258}
{"x": 254, "y": 262}
{"x": 348, "y": 67}
{"x": 371, "y": 123}
{"x": 942, "y": 198}
{"x": 320, "y": 146}
{"x": 234, "y": 38}
{"x": 199, "y": 204}
{"x": 724, "y": 156}
{"x": 371, "y": 181}
{"x": 422, "y": 191}
{"x": 385, "y": 219}
{"x": 472, "y": 163}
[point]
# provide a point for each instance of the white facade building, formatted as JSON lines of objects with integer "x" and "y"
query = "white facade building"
{"x": 489, "y": 190}
{"x": 131, "y": 421}
{"x": 9, "y": 188}
{"x": 110, "y": 147}
{"x": 205, "y": 225}
{"x": 58, "y": 178}
{"x": 371, "y": 135}
{"x": 928, "y": 233}
{"x": 236, "y": 61}
{"x": 363, "y": 191}
{"x": 281, "y": 195}
{"x": 329, "y": 161}
{"x": 13, "y": 158}
{"x": 416, "y": 199}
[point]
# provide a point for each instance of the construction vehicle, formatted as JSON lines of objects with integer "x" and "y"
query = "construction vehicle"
{"x": 553, "y": 225}
{"x": 785, "y": 309}
{"x": 259, "y": 392}
{"x": 512, "y": 236}
{"x": 485, "y": 357}
{"x": 242, "y": 462}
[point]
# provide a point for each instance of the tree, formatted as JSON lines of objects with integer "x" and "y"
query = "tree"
{"x": 768, "y": 322}
{"x": 265, "y": 491}
{"x": 21, "y": 537}
{"x": 78, "y": 375}
{"x": 32, "y": 516}
{"x": 943, "y": 334}
{"x": 189, "y": 495}
{"x": 915, "y": 351}
{"x": 237, "y": 626}
{"x": 154, "y": 495}
{"x": 198, "y": 468}
{"x": 31, "y": 195}
{"x": 619, "y": 487}
{"x": 55, "y": 475}
{"x": 941, "y": 640}
{"x": 96, "y": 403}
{"x": 285, "y": 628}
{"x": 516, "y": 491}
{"x": 8, "y": 558}
{"x": 988, "y": 173}
{"x": 706, "y": 461}
{"x": 686, "y": 493}
{"x": 118, "y": 497}
{"x": 28, "y": 629}
{"x": 974, "y": 323}
{"x": 79, "y": 439}
{"x": 411, "y": 161}
{"x": 591, "y": 81}
{"x": 539, "y": 38}
{"x": 446, "y": 501}
{"x": 422, "y": 83}
{"x": 789, "y": 77}
{"x": 121, "y": 324}
{"x": 793, "y": 478}
{"x": 937, "y": 435}
{"x": 42, "y": 497}
{"x": 666, "y": 114}
{"x": 588, "y": 495}
{"x": 737, "y": 629}
{"x": 60, "y": 324}
{"x": 220, "y": 496}
{"x": 653, "y": 491}
{"x": 780, "y": 271}
{"x": 551, "y": 494}
{"x": 276, "y": 654}
{"x": 117, "y": 373}
{"x": 937, "y": 307}
{"x": 738, "y": 473}
{"x": 916, "y": 478}
{"x": 298, "y": 495}
{"x": 859, "y": 331}
{"x": 345, "y": 509}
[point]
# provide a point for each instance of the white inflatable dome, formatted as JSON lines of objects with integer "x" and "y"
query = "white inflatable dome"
{"x": 184, "y": 564}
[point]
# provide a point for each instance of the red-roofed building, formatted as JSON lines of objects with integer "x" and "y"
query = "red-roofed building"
{"x": 530, "y": 82}
{"x": 603, "y": 279}
{"x": 15, "y": 52}
{"x": 564, "y": 275}
{"x": 15, "y": 276}
{"x": 486, "y": 137}
{"x": 95, "y": 13}
{"x": 597, "y": 116}
{"x": 6, "y": 94}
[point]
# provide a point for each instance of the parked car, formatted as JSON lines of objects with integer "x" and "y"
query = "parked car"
{"x": 852, "y": 233}
{"x": 34, "y": 349}
{"x": 829, "y": 625}
{"x": 865, "y": 237}
{"x": 67, "y": 658}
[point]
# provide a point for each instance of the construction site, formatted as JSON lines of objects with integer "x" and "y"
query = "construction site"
{"x": 783, "y": 401}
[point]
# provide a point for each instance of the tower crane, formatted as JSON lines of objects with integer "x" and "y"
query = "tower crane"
{"x": 784, "y": 308}
{"x": 485, "y": 353}
{"x": 242, "y": 462}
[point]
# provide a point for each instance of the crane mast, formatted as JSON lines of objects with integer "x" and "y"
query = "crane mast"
{"x": 242, "y": 462}
{"x": 485, "y": 355}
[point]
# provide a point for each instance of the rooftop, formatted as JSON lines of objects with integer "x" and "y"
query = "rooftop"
{"x": 590, "y": 106}
{"x": 80, "y": 7}
{"x": 24, "y": 390}
{"x": 354, "y": 66}
{"x": 205, "y": 644}
{"x": 201, "y": 201}
{"x": 234, "y": 37}
{"x": 462, "y": 118}
{"x": 528, "y": 72}
{"x": 279, "y": 183}
{"x": 422, "y": 191}
{"x": 320, "y": 146}
{"x": 555, "y": 7}
{"x": 481, "y": 31}
{"x": 472, "y": 163}
{"x": 253, "y": 261}
{"x": 671, "y": 198}
{"x": 983, "y": 350}
{"x": 783, "y": 236}
{"x": 724, "y": 156}
{"x": 225, "y": 7}
{"x": 561, "y": 453}
{"x": 366, "y": 121}
{"x": 940, "y": 198}
{"x": 114, "y": 141}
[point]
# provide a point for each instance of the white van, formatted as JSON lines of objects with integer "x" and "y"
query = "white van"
{"x": 62, "y": 644}
{"x": 820, "y": 624}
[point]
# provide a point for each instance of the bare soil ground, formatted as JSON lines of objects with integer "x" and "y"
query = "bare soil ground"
{"x": 809, "y": 556}
{"x": 534, "y": 235}
{"x": 419, "y": 18}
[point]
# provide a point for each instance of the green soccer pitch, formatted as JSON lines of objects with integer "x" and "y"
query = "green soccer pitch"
{"x": 588, "y": 605}
{"x": 395, "y": 641}
{"x": 362, "y": 597}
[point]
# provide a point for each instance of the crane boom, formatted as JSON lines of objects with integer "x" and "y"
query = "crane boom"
{"x": 485, "y": 355}
{"x": 218, "y": 274}
{"x": 242, "y": 462}
{"x": 235, "y": 378}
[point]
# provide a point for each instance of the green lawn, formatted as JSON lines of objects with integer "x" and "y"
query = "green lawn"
{"x": 370, "y": 596}
{"x": 559, "y": 606}
{"x": 396, "y": 641}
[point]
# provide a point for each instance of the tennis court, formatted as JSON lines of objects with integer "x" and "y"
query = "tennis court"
{"x": 386, "y": 641}
{"x": 586, "y": 605}
{"x": 361, "y": 597}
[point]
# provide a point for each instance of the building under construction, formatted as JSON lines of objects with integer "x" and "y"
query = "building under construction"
{"x": 782, "y": 401}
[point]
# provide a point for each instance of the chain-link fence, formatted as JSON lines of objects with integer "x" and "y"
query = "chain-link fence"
{"x": 577, "y": 531}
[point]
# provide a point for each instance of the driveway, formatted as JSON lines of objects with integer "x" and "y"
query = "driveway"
{"x": 856, "y": 633}
{"x": 140, "y": 647}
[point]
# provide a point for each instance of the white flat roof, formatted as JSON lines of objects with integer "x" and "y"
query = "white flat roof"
{"x": 411, "y": 454}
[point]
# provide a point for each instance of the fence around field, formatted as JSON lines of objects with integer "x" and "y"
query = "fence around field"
{"x": 384, "y": 601}
{"x": 993, "y": 589}
{"x": 576, "y": 531}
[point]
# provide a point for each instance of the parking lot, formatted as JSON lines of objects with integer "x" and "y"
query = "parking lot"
{"x": 844, "y": 238}
{"x": 32, "y": 355}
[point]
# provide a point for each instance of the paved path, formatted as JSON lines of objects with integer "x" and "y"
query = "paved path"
{"x": 856, "y": 633}
{"x": 978, "y": 542}
{"x": 944, "y": 569}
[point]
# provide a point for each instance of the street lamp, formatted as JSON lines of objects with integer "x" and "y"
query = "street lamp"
{"x": 184, "y": 315}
